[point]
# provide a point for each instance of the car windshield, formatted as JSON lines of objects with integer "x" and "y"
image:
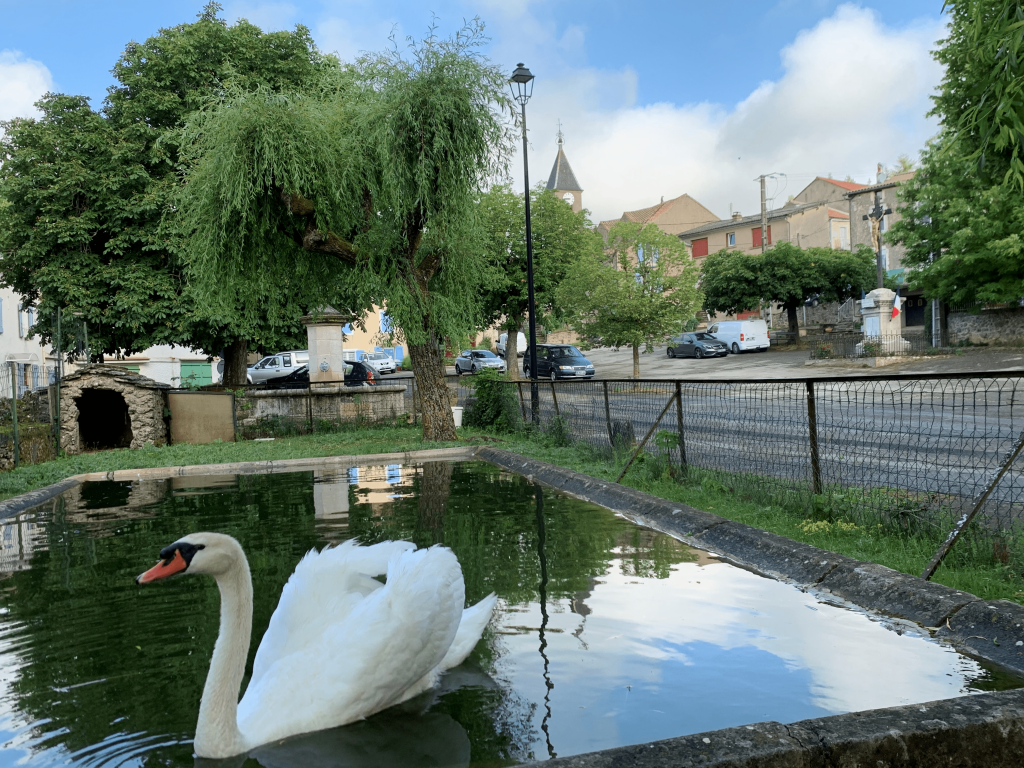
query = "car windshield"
{"x": 483, "y": 353}
{"x": 557, "y": 352}
{"x": 704, "y": 337}
{"x": 377, "y": 356}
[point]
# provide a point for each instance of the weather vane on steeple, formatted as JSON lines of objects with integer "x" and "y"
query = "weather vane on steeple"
{"x": 560, "y": 139}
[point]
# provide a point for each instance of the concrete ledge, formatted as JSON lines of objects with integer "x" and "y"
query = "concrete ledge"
{"x": 895, "y": 593}
{"x": 983, "y": 731}
{"x": 326, "y": 389}
{"x": 993, "y": 630}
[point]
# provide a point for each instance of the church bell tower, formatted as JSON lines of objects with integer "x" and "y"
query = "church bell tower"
{"x": 562, "y": 180}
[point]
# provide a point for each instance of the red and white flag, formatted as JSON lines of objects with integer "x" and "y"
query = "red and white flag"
{"x": 896, "y": 307}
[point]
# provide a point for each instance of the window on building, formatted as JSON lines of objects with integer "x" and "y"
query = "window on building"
{"x": 844, "y": 238}
{"x": 885, "y": 257}
{"x": 31, "y": 318}
{"x": 1, "y": 315}
{"x": 347, "y": 329}
{"x": 386, "y": 324}
{"x": 21, "y": 323}
{"x": 699, "y": 248}
{"x": 883, "y": 225}
{"x": 730, "y": 239}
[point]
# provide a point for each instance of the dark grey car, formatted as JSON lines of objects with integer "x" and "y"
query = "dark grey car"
{"x": 696, "y": 344}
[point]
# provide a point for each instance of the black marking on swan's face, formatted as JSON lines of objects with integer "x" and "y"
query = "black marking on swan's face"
{"x": 187, "y": 550}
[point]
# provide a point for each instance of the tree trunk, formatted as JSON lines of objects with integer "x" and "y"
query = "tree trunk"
{"x": 235, "y": 355}
{"x": 636, "y": 361}
{"x": 512, "y": 353}
{"x": 438, "y": 422}
{"x": 794, "y": 326}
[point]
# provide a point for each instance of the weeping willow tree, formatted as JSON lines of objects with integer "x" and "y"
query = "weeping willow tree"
{"x": 361, "y": 189}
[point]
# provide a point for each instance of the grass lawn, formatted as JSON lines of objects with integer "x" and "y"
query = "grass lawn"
{"x": 971, "y": 568}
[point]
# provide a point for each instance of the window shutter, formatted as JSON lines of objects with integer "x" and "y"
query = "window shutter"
{"x": 1, "y": 315}
{"x": 700, "y": 248}
{"x": 769, "y": 234}
{"x": 755, "y": 235}
{"x": 21, "y": 323}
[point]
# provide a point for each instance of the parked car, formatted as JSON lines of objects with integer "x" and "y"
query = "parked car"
{"x": 381, "y": 362}
{"x": 741, "y": 335}
{"x": 475, "y": 360}
{"x": 559, "y": 361}
{"x": 520, "y": 344}
{"x": 357, "y": 374}
{"x": 697, "y": 344}
{"x": 277, "y": 365}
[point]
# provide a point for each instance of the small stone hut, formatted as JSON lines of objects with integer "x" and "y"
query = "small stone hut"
{"x": 104, "y": 406}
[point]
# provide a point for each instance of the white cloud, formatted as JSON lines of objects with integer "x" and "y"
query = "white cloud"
{"x": 22, "y": 83}
{"x": 854, "y": 92}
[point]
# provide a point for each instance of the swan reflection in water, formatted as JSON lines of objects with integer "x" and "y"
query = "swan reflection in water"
{"x": 405, "y": 736}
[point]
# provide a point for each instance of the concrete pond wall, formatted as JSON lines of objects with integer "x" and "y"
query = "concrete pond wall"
{"x": 332, "y": 403}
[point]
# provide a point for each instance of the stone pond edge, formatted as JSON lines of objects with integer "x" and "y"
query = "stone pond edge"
{"x": 981, "y": 730}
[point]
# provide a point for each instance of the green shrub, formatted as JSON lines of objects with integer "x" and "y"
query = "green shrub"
{"x": 496, "y": 406}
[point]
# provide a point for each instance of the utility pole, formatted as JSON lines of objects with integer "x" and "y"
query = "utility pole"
{"x": 764, "y": 208}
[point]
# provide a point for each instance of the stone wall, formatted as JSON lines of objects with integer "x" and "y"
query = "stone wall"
{"x": 333, "y": 403}
{"x": 145, "y": 398}
{"x": 34, "y": 440}
{"x": 990, "y": 326}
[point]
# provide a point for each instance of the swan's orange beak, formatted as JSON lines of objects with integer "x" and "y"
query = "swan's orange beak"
{"x": 163, "y": 569}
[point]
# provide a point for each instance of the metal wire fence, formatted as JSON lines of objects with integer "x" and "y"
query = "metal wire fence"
{"x": 913, "y": 451}
{"x": 853, "y": 345}
{"x": 26, "y": 434}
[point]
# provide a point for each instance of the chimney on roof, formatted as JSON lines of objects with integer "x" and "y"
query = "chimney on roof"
{"x": 736, "y": 215}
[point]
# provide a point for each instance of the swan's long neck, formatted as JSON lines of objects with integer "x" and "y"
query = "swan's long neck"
{"x": 217, "y": 733}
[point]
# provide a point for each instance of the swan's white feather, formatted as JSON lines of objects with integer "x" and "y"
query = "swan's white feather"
{"x": 341, "y": 646}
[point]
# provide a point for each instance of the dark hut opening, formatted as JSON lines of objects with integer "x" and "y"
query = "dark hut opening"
{"x": 103, "y": 420}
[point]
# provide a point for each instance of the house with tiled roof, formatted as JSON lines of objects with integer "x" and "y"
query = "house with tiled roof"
{"x": 671, "y": 216}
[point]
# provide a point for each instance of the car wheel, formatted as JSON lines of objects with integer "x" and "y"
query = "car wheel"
{"x": 554, "y": 376}
{"x": 698, "y": 353}
{"x": 458, "y": 371}
{"x": 526, "y": 371}
{"x": 671, "y": 352}
{"x": 473, "y": 369}
{"x": 735, "y": 348}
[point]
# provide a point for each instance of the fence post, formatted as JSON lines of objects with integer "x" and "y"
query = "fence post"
{"x": 812, "y": 429}
{"x": 14, "y": 411}
{"x": 555, "y": 398}
{"x": 522, "y": 404}
{"x": 647, "y": 437}
{"x": 608, "y": 414}
{"x": 963, "y": 522}
{"x": 679, "y": 422}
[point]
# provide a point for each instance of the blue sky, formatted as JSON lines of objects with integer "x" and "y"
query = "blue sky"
{"x": 653, "y": 97}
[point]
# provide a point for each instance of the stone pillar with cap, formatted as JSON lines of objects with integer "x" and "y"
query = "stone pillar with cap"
{"x": 881, "y": 330}
{"x": 324, "y": 330}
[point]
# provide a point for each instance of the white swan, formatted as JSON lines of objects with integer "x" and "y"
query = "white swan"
{"x": 340, "y": 646}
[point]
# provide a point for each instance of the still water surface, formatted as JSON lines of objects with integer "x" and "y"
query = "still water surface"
{"x": 605, "y": 634}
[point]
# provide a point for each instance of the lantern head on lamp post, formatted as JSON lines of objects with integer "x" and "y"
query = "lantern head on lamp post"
{"x": 521, "y": 85}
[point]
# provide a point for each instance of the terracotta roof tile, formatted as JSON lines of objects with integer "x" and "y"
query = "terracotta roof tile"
{"x": 850, "y": 185}
{"x": 834, "y": 214}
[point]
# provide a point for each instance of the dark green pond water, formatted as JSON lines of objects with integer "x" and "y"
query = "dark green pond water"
{"x": 605, "y": 634}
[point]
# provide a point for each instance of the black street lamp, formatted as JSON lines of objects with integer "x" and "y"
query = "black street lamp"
{"x": 521, "y": 84}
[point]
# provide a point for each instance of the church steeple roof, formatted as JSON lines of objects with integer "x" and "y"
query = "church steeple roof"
{"x": 562, "y": 176}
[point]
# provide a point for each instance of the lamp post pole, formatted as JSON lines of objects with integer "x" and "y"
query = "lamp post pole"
{"x": 521, "y": 83}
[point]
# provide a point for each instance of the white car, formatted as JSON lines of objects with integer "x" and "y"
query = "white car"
{"x": 742, "y": 335}
{"x": 275, "y": 366}
{"x": 474, "y": 360}
{"x": 381, "y": 362}
{"x": 520, "y": 344}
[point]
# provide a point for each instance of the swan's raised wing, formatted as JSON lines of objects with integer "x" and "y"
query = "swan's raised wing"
{"x": 324, "y": 589}
{"x": 386, "y": 644}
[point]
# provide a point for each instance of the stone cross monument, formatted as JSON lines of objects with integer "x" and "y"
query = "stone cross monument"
{"x": 880, "y": 328}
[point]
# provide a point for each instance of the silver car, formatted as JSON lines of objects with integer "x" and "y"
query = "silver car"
{"x": 474, "y": 360}
{"x": 381, "y": 362}
{"x": 275, "y": 366}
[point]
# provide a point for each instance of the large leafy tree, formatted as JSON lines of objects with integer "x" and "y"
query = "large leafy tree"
{"x": 637, "y": 299}
{"x": 368, "y": 180}
{"x": 84, "y": 194}
{"x": 560, "y": 238}
{"x": 785, "y": 274}
{"x": 963, "y": 212}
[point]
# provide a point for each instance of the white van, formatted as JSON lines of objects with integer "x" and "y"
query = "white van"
{"x": 742, "y": 335}
{"x": 520, "y": 344}
{"x": 275, "y": 366}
